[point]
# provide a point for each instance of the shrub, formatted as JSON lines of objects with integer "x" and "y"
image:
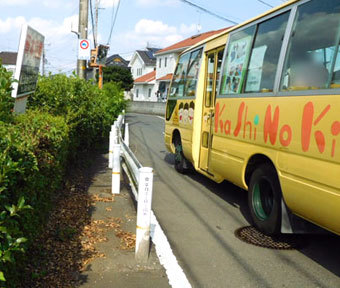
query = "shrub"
{"x": 88, "y": 111}
{"x": 6, "y": 101}
{"x": 119, "y": 75}
{"x": 64, "y": 115}
{"x": 33, "y": 154}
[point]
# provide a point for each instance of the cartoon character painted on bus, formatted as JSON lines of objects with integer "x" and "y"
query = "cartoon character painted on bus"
{"x": 186, "y": 113}
{"x": 180, "y": 113}
{"x": 191, "y": 112}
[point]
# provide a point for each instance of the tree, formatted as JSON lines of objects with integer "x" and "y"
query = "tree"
{"x": 119, "y": 75}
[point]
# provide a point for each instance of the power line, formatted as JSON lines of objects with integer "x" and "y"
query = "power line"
{"x": 265, "y": 3}
{"x": 94, "y": 37}
{"x": 113, "y": 20}
{"x": 208, "y": 12}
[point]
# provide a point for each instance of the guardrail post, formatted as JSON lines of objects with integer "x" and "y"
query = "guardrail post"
{"x": 115, "y": 133}
{"x": 145, "y": 184}
{"x": 126, "y": 135}
{"x": 111, "y": 141}
{"x": 116, "y": 169}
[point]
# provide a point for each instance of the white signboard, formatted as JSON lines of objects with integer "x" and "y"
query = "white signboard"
{"x": 28, "y": 62}
{"x": 84, "y": 51}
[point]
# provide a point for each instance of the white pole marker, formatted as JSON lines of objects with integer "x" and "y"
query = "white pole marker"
{"x": 145, "y": 184}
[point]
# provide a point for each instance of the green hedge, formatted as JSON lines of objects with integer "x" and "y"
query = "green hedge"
{"x": 65, "y": 115}
{"x": 6, "y": 101}
{"x": 33, "y": 154}
{"x": 88, "y": 111}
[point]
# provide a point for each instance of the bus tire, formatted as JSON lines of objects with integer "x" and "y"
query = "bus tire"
{"x": 179, "y": 156}
{"x": 264, "y": 200}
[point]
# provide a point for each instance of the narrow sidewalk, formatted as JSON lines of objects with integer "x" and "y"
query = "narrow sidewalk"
{"x": 116, "y": 265}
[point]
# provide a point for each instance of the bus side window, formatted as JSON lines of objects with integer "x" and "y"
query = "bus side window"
{"x": 335, "y": 82}
{"x": 236, "y": 60}
{"x": 312, "y": 51}
{"x": 265, "y": 54}
{"x": 192, "y": 74}
{"x": 179, "y": 78}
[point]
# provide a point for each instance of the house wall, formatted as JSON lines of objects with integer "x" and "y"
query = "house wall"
{"x": 143, "y": 92}
{"x": 137, "y": 63}
{"x": 171, "y": 64}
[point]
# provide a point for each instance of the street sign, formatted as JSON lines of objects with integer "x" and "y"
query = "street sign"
{"x": 84, "y": 50}
{"x": 27, "y": 67}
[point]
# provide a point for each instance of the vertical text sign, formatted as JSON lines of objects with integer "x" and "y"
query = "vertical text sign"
{"x": 28, "y": 62}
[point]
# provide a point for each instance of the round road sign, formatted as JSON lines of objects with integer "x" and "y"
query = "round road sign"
{"x": 84, "y": 44}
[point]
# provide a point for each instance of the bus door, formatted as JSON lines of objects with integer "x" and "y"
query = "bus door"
{"x": 213, "y": 68}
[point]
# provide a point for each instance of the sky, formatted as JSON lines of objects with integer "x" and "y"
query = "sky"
{"x": 139, "y": 23}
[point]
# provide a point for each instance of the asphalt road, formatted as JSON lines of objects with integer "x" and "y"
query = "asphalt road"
{"x": 200, "y": 217}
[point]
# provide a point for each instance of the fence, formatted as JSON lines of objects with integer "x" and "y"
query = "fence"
{"x": 141, "y": 181}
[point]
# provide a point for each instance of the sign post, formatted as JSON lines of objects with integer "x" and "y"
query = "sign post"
{"x": 27, "y": 67}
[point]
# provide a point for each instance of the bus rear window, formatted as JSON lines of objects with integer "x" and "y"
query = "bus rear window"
{"x": 312, "y": 57}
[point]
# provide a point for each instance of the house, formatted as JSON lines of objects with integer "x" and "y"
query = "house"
{"x": 143, "y": 65}
{"x": 144, "y": 88}
{"x": 117, "y": 60}
{"x": 143, "y": 62}
{"x": 166, "y": 60}
{"x": 158, "y": 73}
{"x": 9, "y": 60}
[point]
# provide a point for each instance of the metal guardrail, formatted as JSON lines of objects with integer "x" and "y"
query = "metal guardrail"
{"x": 131, "y": 164}
{"x": 141, "y": 181}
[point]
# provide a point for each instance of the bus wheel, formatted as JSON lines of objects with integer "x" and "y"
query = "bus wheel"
{"x": 179, "y": 156}
{"x": 264, "y": 200}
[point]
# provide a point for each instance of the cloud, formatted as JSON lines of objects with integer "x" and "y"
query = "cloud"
{"x": 52, "y": 29}
{"x": 150, "y": 27}
{"x": 191, "y": 29}
{"x": 11, "y": 23}
{"x": 152, "y": 33}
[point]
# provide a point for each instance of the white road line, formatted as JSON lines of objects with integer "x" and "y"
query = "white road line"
{"x": 176, "y": 276}
{"x": 160, "y": 117}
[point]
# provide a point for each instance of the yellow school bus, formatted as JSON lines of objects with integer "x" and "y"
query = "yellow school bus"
{"x": 259, "y": 105}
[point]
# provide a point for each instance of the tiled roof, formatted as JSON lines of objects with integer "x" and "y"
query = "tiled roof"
{"x": 147, "y": 57}
{"x": 111, "y": 60}
{"x": 190, "y": 41}
{"x": 166, "y": 77}
{"x": 147, "y": 77}
{"x": 9, "y": 58}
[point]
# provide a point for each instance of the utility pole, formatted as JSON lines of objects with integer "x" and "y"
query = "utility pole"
{"x": 95, "y": 40}
{"x": 43, "y": 62}
{"x": 83, "y": 20}
{"x": 96, "y": 29}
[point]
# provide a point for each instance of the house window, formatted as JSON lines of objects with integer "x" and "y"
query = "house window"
{"x": 165, "y": 61}
{"x": 137, "y": 92}
{"x": 149, "y": 93}
{"x": 160, "y": 62}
